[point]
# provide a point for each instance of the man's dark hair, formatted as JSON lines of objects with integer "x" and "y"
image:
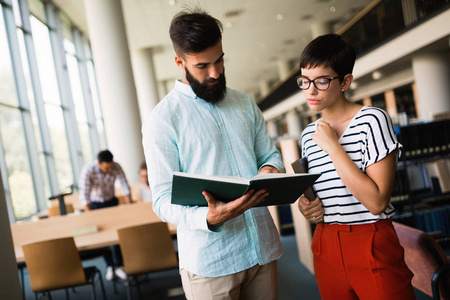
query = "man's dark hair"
{"x": 329, "y": 50}
{"x": 105, "y": 156}
{"x": 194, "y": 31}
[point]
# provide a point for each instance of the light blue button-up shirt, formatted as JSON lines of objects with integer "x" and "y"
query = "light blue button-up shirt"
{"x": 187, "y": 134}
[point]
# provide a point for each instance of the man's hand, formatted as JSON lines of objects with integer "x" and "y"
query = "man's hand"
{"x": 220, "y": 212}
{"x": 269, "y": 169}
{"x": 313, "y": 211}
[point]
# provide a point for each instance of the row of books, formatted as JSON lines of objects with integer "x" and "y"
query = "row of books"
{"x": 432, "y": 220}
{"x": 425, "y": 139}
{"x": 401, "y": 186}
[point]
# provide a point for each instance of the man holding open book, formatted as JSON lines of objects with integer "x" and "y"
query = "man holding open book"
{"x": 226, "y": 250}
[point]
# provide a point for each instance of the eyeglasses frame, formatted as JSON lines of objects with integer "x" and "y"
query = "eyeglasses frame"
{"x": 329, "y": 78}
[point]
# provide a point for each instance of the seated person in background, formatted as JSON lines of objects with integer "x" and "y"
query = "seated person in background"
{"x": 145, "y": 194}
{"x": 96, "y": 187}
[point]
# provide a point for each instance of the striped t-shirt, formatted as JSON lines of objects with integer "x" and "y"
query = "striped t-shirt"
{"x": 368, "y": 138}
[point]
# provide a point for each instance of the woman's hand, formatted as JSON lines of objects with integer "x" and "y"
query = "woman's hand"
{"x": 325, "y": 137}
{"x": 313, "y": 211}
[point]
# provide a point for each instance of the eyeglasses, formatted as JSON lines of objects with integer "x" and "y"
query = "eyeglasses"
{"x": 320, "y": 83}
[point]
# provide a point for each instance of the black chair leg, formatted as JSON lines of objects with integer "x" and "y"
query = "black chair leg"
{"x": 23, "y": 283}
{"x": 128, "y": 288}
{"x": 93, "y": 294}
{"x": 138, "y": 288}
{"x": 67, "y": 294}
{"x": 49, "y": 296}
{"x": 101, "y": 284}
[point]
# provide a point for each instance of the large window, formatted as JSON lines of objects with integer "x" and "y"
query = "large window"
{"x": 17, "y": 166}
{"x": 50, "y": 117}
{"x": 53, "y": 108}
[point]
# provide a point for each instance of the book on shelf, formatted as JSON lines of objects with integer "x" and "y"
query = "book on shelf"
{"x": 283, "y": 188}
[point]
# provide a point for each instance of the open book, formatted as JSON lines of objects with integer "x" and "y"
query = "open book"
{"x": 283, "y": 188}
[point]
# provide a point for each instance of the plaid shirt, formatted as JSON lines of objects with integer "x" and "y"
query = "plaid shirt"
{"x": 96, "y": 186}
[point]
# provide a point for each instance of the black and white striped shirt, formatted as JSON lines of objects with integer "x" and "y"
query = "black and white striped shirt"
{"x": 368, "y": 138}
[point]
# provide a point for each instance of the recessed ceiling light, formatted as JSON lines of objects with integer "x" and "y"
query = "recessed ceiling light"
{"x": 172, "y": 2}
{"x": 228, "y": 24}
{"x": 377, "y": 75}
{"x": 279, "y": 17}
{"x": 332, "y": 9}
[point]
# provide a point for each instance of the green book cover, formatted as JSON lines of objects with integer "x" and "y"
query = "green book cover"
{"x": 283, "y": 188}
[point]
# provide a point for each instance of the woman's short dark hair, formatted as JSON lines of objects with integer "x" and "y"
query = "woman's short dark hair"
{"x": 194, "y": 31}
{"x": 105, "y": 156}
{"x": 329, "y": 50}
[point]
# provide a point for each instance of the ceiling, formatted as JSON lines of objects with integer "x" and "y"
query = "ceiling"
{"x": 257, "y": 33}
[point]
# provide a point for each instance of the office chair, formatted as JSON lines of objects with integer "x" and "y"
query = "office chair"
{"x": 21, "y": 265}
{"x": 427, "y": 260}
{"x": 146, "y": 248}
{"x": 55, "y": 264}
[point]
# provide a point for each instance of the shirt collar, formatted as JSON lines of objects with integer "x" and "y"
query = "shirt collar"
{"x": 185, "y": 89}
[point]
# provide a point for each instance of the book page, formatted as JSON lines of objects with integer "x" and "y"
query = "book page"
{"x": 274, "y": 175}
{"x": 230, "y": 179}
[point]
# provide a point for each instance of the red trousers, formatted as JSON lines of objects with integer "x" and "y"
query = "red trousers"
{"x": 360, "y": 262}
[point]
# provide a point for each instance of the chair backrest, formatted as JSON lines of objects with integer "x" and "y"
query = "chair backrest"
{"x": 423, "y": 255}
{"x": 134, "y": 189}
{"x": 147, "y": 248}
{"x": 53, "y": 264}
{"x": 55, "y": 211}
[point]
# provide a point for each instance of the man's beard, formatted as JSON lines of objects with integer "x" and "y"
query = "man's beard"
{"x": 210, "y": 93}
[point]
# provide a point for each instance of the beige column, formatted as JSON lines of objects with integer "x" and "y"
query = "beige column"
{"x": 9, "y": 276}
{"x": 303, "y": 234}
{"x": 116, "y": 83}
{"x": 145, "y": 78}
{"x": 272, "y": 128}
{"x": 416, "y": 102}
{"x": 367, "y": 101}
{"x": 391, "y": 105}
{"x": 294, "y": 125}
{"x": 432, "y": 77}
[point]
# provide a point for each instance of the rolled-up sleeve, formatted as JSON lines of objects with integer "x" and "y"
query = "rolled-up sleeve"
{"x": 84, "y": 186}
{"x": 122, "y": 179}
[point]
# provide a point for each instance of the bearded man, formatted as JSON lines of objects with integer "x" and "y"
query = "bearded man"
{"x": 226, "y": 250}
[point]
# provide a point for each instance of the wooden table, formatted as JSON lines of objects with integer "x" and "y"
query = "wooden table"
{"x": 107, "y": 221}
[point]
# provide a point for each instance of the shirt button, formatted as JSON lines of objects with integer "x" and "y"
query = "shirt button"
{"x": 250, "y": 224}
